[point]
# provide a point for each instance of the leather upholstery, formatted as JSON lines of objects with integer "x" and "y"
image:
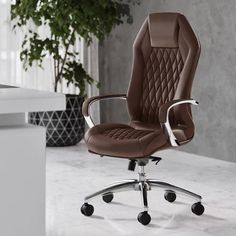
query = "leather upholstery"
{"x": 163, "y": 30}
{"x": 160, "y": 77}
{"x": 165, "y": 57}
{"x": 123, "y": 141}
{"x": 164, "y": 108}
{"x": 165, "y": 64}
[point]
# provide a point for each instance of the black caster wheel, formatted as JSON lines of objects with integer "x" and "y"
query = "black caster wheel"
{"x": 144, "y": 218}
{"x": 170, "y": 196}
{"x": 108, "y": 197}
{"x": 87, "y": 209}
{"x": 198, "y": 208}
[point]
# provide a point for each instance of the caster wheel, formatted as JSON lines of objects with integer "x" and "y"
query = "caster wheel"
{"x": 108, "y": 197}
{"x": 144, "y": 218}
{"x": 87, "y": 209}
{"x": 170, "y": 196}
{"x": 198, "y": 208}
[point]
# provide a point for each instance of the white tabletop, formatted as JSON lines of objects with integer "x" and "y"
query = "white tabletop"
{"x": 18, "y": 100}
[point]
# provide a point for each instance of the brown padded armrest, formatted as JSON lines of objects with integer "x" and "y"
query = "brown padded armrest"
{"x": 89, "y": 101}
{"x": 164, "y": 108}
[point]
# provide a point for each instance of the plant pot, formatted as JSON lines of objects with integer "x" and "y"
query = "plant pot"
{"x": 64, "y": 128}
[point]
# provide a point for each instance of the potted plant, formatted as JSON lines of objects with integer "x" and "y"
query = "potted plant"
{"x": 65, "y": 21}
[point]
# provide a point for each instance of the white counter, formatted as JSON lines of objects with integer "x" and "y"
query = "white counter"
{"x": 22, "y": 160}
{"x": 16, "y": 100}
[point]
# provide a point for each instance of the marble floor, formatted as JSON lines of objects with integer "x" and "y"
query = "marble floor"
{"x": 73, "y": 173}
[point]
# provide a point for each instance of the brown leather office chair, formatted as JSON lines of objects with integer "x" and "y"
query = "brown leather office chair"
{"x": 165, "y": 57}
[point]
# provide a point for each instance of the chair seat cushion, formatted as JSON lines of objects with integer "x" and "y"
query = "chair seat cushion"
{"x": 183, "y": 133}
{"x": 121, "y": 140}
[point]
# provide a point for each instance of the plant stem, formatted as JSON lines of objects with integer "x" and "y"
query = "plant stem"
{"x": 57, "y": 78}
{"x": 55, "y": 63}
{"x": 55, "y": 73}
{"x": 59, "y": 72}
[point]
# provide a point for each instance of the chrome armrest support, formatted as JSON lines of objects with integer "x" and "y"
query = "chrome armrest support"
{"x": 87, "y": 105}
{"x": 166, "y": 124}
{"x": 89, "y": 121}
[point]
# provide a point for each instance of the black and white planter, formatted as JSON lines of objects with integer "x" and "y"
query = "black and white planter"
{"x": 64, "y": 128}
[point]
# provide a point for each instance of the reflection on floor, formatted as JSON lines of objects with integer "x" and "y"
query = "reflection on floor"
{"x": 73, "y": 173}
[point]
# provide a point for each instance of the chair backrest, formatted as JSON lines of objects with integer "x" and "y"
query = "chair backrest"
{"x": 165, "y": 57}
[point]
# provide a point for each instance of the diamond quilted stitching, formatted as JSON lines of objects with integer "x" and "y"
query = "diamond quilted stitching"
{"x": 161, "y": 76}
{"x": 125, "y": 133}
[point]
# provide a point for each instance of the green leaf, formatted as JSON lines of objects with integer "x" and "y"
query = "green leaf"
{"x": 66, "y": 19}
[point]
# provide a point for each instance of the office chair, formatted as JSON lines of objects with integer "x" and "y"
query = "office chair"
{"x": 165, "y": 57}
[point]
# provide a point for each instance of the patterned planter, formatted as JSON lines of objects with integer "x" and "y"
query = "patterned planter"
{"x": 64, "y": 128}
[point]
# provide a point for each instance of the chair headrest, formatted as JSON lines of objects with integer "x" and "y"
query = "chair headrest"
{"x": 163, "y": 29}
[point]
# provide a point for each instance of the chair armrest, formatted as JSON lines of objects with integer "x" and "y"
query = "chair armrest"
{"x": 164, "y": 117}
{"x": 88, "y": 102}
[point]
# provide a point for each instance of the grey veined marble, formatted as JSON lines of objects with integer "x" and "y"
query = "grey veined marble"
{"x": 73, "y": 173}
